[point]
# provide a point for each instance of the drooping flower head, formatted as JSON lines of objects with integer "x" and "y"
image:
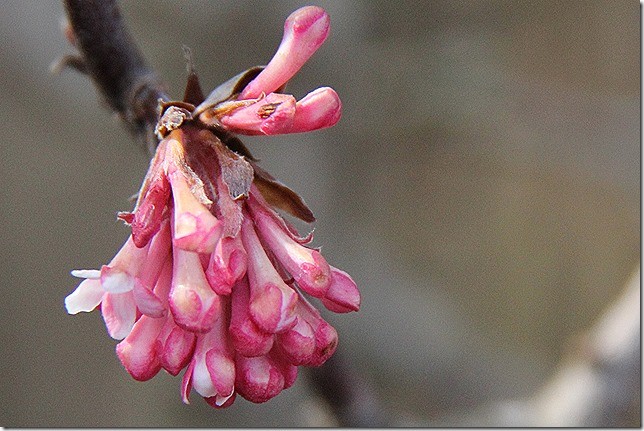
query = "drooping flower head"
{"x": 213, "y": 279}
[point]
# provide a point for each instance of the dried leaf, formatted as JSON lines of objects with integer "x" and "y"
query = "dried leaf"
{"x": 232, "y": 186}
{"x": 228, "y": 89}
{"x": 280, "y": 196}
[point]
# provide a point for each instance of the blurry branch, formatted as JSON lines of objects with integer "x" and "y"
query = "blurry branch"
{"x": 114, "y": 63}
{"x": 599, "y": 385}
{"x": 596, "y": 385}
{"x": 350, "y": 397}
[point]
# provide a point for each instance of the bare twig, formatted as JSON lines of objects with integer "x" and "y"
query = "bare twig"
{"x": 115, "y": 64}
{"x": 596, "y": 385}
{"x": 599, "y": 385}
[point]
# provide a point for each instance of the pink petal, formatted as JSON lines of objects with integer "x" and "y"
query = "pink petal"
{"x": 85, "y": 298}
{"x": 177, "y": 347}
{"x": 138, "y": 352}
{"x": 118, "y": 276}
{"x": 195, "y": 228}
{"x": 309, "y": 269}
{"x": 317, "y": 110}
{"x": 86, "y": 273}
{"x": 129, "y": 260}
{"x": 177, "y": 344}
{"x": 147, "y": 302}
{"x": 201, "y": 380}
{"x": 288, "y": 370}
{"x": 304, "y": 32}
{"x": 222, "y": 371}
{"x": 119, "y": 313}
{"x": 246, "y": 336}
{"x": 266, "y": 209}
{"x": 258, "y": 379}
{"x": 227, "y": 265}
{"x": 326, "y": 337}
{"x": 186, "y": 383}
{"x": 271, "y": 115}
{"x": 220, "y": 402}
{"x": 158, "y": 256}
{"x": 214, "y": 369}
{"x": 343, "y": 295}
{"x": 326, "y": 341}
{"x": 115, "y": 280}
{"x": 164, "y": 282}
{"x": 153, "y": 198}
{"x": 297, "y": 344}
{"x": 221, "y": 368}
{"x": 272, "y": 302}
{"x": 270, "y": 307}
{"x": 194, "y": 306}
{"x": 149, "y": 213}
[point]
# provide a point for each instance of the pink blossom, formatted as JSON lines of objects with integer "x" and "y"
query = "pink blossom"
{"x": 213, "y": 280}
{"x": 259, "y": 108}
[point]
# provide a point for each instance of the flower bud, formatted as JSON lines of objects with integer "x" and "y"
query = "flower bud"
{"x": 138, "y": 352}
{"x": 194, "y": 305}
{"x": 307, "y": 266}
{"x": 247, "y": 338}
{"x": 343, "y": 295}
{"x": 227, "y": 265}
{"x": 272, "y": 302}
{"x": 305, "y": 30}
{"x": 195, "y": 228}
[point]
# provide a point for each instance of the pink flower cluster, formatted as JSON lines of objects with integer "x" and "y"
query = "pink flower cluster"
{"x": 212, "y": 279}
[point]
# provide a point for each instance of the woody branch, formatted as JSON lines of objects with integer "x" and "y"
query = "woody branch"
{"x": 111, "y": 58}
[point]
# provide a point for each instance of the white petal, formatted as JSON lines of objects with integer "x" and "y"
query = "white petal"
{"x": 148, "y": 303}
{"x": 85, "y": 298}
{"x": 86, "y": 273}
{"x": 201, "y": 380}
{"x": 116, "y": 281}
{"x": 119, "y": 313}
{"x": 220, "y": 400}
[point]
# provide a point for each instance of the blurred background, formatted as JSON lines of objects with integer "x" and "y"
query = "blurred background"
{"x": 482, "y": 188}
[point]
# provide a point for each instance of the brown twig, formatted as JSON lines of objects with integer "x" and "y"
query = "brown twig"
{"x": 596, "y": 385}
{"x": 115, "y": 64}
{"x": 599, "y": 384}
